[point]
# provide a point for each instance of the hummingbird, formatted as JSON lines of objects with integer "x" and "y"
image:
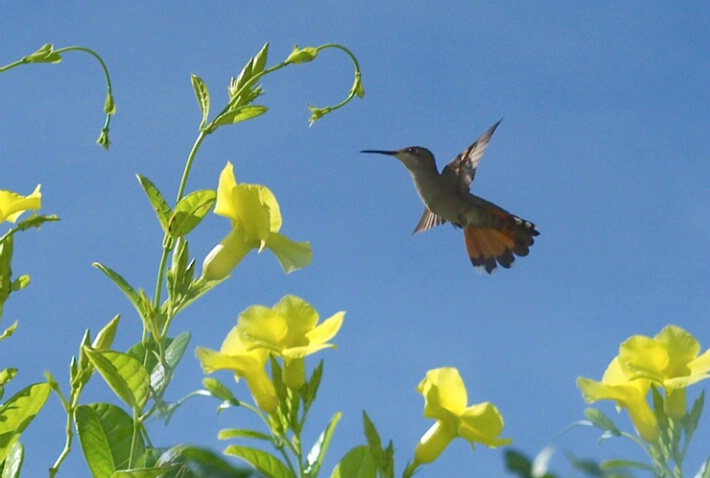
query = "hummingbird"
{"x": 492, "y": 235}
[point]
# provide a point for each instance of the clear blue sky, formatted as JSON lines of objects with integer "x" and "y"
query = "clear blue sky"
{"x": 604, "y": 145}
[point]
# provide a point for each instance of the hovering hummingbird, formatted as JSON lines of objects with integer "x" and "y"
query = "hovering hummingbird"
{"x": 492, "y": 235}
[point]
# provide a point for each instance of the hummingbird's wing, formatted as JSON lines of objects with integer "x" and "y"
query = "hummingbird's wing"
{"x": 428, "y": 220}
{"x": 462, "y": 169}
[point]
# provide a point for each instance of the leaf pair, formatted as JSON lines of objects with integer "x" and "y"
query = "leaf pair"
{"x": 188, "y": 212}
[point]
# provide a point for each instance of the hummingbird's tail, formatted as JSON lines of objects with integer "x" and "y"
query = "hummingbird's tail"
{"x": 488, "y": 246}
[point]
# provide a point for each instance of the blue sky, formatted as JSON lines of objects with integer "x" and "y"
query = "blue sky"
{"x": 604, "y": 145}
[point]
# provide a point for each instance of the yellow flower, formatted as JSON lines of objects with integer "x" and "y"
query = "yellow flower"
{"x": 445, "y": 400}
{"x": 288, "y": 330}
{"x": 669, "y": 360}
{"x": 245, "y": 362}
{"x": 12, "y": 205}
{"x": 629, "y": 393}
{"x": 256, "y": 221}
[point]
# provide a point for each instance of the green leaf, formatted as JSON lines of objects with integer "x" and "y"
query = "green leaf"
{"x": 144, "y": 472}
{"x": 217, "y": 389}
{"x": 199, "y": 463}
{"x": 13, "y": 462}
{"x": 242, "y": 113}
{"x": 320, "y": 447}
{"x": 181, "y": 271}
{"x": 104, "y": 339}
{"x": 196, "y": 289}
{"x": 45, "y": 54}
{"x": 259, "y": 61}
{"x": 36, "y": 221}
{"x": 9, "y": 331}
{"x": 125, "y": 375}
{"x": 241, "y": 91}
{"x": 105, "y": 433}
{"x": 384, "y": 458}
{"x": 122, "y": 284}
{"x": 601, "y": 421}
{"x": 228, "y": 433}
{"x": 176, "y": 349}
{"x": 704, "y": 471}
{"x": 691, "y": 420}
{"x": 17, "y": 413}
{"x": 262, "y": 461}
{"x": 6, "y": 250}
{"x": 517, "y": 463}
{"x": 373, "y": 438}
{"x": 589, "y": 467}
{"x": 190, "y": 211}
{"x": 20, "y": 283}
{"x": 149, "y": 359}
{"x": 310, "y": 389}
{"x": 6, "y": 375}
{"x": 203, "y": 97}
{"x": 357, "y": 463}
{"x": 615, "y": 464}
{"x": 160, "y": 205}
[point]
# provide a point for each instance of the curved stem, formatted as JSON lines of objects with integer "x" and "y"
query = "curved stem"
{"x": 54, "y": 56}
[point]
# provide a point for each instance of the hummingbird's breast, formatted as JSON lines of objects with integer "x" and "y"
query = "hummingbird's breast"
{"x": 442, "y": 198}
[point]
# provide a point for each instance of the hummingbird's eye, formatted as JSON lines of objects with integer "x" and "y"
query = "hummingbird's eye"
{"x": 412, "y": 150}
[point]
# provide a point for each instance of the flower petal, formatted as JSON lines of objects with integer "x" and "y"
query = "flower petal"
{"x": 211, "y": 360}
{"x": 262, "y": 390}
{"x": 226, "y": 255}
{"x": 262, "y": 326}
{"x": 291, "y": 255}
{"x": 482, "y": 423}
{"x": 300, "y": 352}
{"x": 300, "y": 318}
{"x": 12, "y": 205}
{"x": 326, "y": 330}
{"x": 433, "y": 442}
{"x": 644, "y": 356}
{"x": 443, "y": 390}
{"x": 701, "y": 365}
{"x": 643, "y": 419}
{"x": 269, "y": 200}
{"x": 681, "y": 346}
{"x": 224, "y": 206}
{"x": 251, "y": 213}
{"x": 627, "y": 396}
{"x": 593, "y": 391}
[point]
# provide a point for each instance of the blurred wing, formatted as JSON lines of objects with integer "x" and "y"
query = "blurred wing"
{"x": 463, "y": 167}
{"x": 428, "y": 220}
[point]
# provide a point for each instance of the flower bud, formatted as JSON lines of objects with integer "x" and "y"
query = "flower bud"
{"x": 302, "y": 55}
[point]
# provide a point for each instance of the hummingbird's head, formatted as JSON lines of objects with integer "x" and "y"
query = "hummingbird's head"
{"x": 413, "y": 157}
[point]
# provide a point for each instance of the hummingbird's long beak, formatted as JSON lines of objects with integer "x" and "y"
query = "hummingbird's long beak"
{"x": 378, "y": 151}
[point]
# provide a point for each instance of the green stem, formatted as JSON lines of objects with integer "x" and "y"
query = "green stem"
{"x": 69, "y": 407}
{"x": 410, "y": 469}
{"x": 109, "y": 90}
{"x": 168, "y": 243}
{"x": 287, "y": 458}
{"x": 67, "y": 447}
{"x": 135, "y": 437}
